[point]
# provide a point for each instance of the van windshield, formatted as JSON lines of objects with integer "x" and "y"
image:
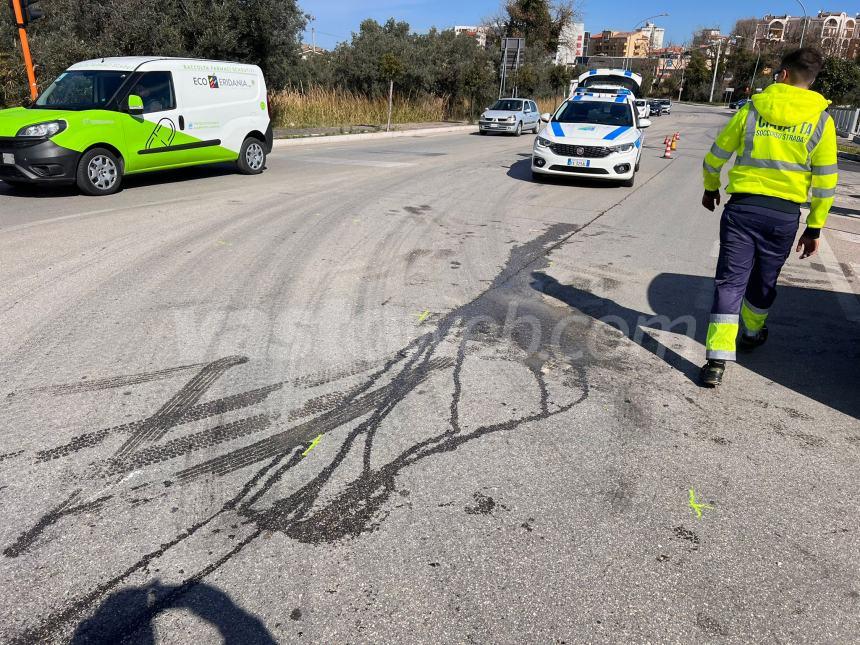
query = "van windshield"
{"x": 81, "y": 90}
{"x": 595, "y": 112}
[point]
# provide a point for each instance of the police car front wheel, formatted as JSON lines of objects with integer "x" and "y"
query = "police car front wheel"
{"x": 99, "y": 173}
{"x": 252, "y": 157}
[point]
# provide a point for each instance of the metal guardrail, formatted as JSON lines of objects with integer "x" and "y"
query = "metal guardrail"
{"x": 847, "y": 120}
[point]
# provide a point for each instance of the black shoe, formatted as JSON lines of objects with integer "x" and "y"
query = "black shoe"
{"x": 712, "y": 373}
{"x": 749, "y": 344}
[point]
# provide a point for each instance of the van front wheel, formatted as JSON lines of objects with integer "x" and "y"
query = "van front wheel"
{"x": 252, "y": 157}
{"x": 99, "y": 173}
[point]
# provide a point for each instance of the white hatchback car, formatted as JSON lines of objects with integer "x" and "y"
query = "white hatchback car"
{"x": 594, "y": 135}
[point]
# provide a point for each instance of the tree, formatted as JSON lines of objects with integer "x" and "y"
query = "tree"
{"x": 839, "y": 81}
{"x": 262, "y": 32}
{"x": 697, "y": 83}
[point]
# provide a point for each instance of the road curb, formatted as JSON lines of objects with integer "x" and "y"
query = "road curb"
{"x": 850, "y": 156}
{"x": 347, "y": 138}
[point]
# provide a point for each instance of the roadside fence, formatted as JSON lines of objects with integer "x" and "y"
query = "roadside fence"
{"x": 847, "y": 120}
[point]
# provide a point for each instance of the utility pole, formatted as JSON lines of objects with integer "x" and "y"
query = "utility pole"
{"x": 716, "y": 68}
{"x": 805, "y": 18}
{"x": 25, "y": 13}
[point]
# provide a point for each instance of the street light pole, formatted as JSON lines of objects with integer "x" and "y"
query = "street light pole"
{"x": 755, "y": 71}
{"x": 651, "y": 35}
{"x": 805, "y": 18}
{"x": 716, "y": 68}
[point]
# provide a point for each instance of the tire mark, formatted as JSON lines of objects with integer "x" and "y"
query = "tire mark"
{"x": 191, "y": 443}
{"x": 65, "y": 509}
{"x": 285, "y": 442}
{"x": 156, "y": 426}
{"x": 112, "y": 382}
{"x": 196, "y": 413}
{"x": 73, "y": 612}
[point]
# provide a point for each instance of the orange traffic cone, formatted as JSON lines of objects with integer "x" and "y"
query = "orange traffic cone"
{"x": 668, "y": 153}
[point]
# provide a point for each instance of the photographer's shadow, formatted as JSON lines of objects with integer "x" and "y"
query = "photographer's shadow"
{"x": 813, "y": 348}
{"x": 128, "y": 615}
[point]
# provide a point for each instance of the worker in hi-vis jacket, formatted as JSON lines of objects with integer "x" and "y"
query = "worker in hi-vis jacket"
{"x": 785, "y": 144}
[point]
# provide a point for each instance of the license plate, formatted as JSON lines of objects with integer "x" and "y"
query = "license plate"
{"x": 494, "y": 125}
{"x": 9, "y": 158}
{"x": 578, "y": 163}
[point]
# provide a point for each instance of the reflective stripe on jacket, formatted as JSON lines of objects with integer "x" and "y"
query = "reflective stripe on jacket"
{"x": 786, "y": 147}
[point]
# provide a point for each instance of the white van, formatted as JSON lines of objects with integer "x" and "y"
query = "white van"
{"x": 106, "y": 118}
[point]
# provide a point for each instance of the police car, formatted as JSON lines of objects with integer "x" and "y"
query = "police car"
{"x": 596, "y": 133}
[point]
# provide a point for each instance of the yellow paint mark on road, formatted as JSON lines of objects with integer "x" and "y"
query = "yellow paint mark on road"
{"x": 698, "y": 508}
{"x": 223, "y": 243}
{"x": 423, "y": 316}
{"x": 313, "y": 445}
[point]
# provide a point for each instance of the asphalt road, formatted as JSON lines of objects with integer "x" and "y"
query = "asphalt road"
{"x": 396, "y": 392}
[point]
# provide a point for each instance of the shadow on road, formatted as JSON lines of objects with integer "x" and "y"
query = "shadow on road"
{"x": 127, "y": 616}
{"x": 131, "y": 182}
{"x": 813, "y": 349}
{"x": 522, "y": 171}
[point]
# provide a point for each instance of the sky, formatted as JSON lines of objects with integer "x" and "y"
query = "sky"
{"x": 337, "y": 19}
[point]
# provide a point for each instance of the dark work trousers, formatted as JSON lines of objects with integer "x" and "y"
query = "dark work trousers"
{"x": 755, "y": 243}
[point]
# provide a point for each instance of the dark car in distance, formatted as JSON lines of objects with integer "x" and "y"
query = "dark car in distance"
{"x": 656, "y": 107}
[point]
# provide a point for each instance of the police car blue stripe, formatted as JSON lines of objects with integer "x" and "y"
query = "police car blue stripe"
{"x": 592, "y": 72}
{"x": 628, "y": 73}
{"x": 621, "y": 99}
{"x": 639, "y": 142}
{"x": 578, "y": 97}
{"x": 556, "y": 129}
{"x": 616, "y": 133}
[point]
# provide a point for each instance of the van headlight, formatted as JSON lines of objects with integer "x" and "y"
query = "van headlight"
{"x": 45, "y": 130}
{"x": 543, "y": 143}
{"x": 624, "y": 147}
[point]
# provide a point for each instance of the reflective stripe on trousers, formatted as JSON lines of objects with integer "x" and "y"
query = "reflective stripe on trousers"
{"x": 722, "y": 337}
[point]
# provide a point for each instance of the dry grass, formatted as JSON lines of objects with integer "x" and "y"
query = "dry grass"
{"x": 549, "y": 105}
{"x": 320, "y": 107}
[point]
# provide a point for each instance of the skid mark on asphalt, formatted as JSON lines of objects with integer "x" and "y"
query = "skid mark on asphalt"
{"x": 112, "y": 382}
{"x": 195, "y": 413}
{"x": 359, "y": 506}
{"x": 65, "y": 509}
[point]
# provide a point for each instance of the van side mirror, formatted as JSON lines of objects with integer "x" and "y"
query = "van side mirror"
{"x": 135, "y": 105}
{"x": 545, "y": 117}
{"x": 644, "y": 123}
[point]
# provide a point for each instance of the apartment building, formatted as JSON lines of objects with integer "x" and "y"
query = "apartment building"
{"x": 620, "y": 44}
{"x": 836, "y": 34}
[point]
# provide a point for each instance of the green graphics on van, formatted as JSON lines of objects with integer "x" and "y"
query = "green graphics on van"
{"x": 138, "y": 115}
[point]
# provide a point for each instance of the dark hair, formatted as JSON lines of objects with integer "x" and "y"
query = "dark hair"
{"x": 803, "y": 64}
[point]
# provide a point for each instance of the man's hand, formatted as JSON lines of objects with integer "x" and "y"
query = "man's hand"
{"x": 808, "y": 246}
{"x": 711, "y": 199}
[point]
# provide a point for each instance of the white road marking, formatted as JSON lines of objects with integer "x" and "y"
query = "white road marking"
{"x": 843, "y": 291}
{"x": 854, "y": 238}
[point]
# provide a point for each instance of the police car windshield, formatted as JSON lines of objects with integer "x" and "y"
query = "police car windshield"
{"x": 595, "y": 112}
{"x": 507, "y": 105}
{"x": 81, "y": 90}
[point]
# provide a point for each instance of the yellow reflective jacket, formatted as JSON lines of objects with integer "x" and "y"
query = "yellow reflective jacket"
{"x": 785, "y": 144}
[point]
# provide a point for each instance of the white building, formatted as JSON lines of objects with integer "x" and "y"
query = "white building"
{"x": 656, "y": 34}
{"x": 571, "y": 43}
{"x": 836, "y": 34}
{"x": 478, "y": 33}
